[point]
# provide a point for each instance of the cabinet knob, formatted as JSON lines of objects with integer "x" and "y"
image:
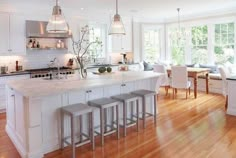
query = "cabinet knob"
{"x": 12, "y": 95}
{"x": 88, "y": 91}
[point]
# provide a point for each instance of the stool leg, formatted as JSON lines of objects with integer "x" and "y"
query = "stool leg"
{"x": 62, "y": 130}
{"x": 155, "y": 109}
{"x": 112, "y": 117}
{"x": 81, "y": 128}
{"x": 92, "y": 130}
{"x": 102, "y": 125}
{"x": 118, "y": 121}
{"x": 124, "y": 116}
{"x": 105, "y": 119}
{"x": 132, "y": 110}
{"x": 137, "y": 104}
{"x": 144, "y": 112}
{"x": 73, "y": 136}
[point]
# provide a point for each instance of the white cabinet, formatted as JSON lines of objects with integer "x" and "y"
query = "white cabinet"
{"x": 12, "y": 34}
{"x": 4, "y": 33}
{"x": 3, "y": 92}
{"x": 122, "y": 43}
{"x": 231, "y": 110}
{"x": 17, "y": 40}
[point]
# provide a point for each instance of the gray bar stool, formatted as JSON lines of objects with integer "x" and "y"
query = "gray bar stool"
{"x": 144, "y": 94}
{"x": 129, "y": 99}
{"x": 74, "y": 111}
{"x": 103, "y": 104}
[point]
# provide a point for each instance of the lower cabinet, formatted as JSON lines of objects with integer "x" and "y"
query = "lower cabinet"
{"x": 3, "y": 92}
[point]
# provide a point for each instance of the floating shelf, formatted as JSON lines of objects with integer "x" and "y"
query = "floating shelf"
{"x": 46, "y": 49}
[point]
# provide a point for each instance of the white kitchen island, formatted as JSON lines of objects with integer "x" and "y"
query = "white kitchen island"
{"x": 33, "y": 105}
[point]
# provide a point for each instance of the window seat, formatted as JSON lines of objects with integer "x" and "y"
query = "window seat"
{"x": 212, "y": 76}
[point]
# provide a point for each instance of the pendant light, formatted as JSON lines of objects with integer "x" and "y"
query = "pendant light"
{"x": 181, "y": 33}
{"x": 179, "y": 29}
{"x": 57, "y": 22}
{"x": 117, "y": 26}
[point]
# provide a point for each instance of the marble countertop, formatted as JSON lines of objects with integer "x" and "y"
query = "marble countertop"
{"x": 43, "y": 87}
{"x": 15, "y": 73}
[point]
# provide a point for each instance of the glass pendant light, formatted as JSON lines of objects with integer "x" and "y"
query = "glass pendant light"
{"x": 57, "y": 22}
{"x": 117, "y": 26}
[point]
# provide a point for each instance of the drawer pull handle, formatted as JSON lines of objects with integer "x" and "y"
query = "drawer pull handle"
{"x": 12, "y": 95}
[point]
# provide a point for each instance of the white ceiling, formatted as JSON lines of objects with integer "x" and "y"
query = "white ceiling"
{"x": 148, "y": 9}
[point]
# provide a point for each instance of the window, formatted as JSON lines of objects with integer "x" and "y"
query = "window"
{"x": 224, "y": 43}
{"x": 98, "y": 32}
{"x": 151, "y": 45}
{"x": 199, "y": 45}
{"x": 177, "y": 45}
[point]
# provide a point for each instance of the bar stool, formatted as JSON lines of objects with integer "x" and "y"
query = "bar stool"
{"x": 129, "y": 99}
{"x": 104, "y": 104}
{"x": 144, "y": 94}
{"x": 74, "y": 111}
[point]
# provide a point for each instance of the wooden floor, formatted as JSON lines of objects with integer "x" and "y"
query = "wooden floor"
{"x": 193, "y": 128}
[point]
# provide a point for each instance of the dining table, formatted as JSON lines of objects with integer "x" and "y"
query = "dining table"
{"x": 195, "y": 73}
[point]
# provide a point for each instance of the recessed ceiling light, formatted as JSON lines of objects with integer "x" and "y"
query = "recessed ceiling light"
{"x": 82, "y": 9}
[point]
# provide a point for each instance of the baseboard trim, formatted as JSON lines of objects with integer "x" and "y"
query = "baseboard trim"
{"x": 15, "y": 141}
{"x": 19, "y": 147}
{"x": 231, "y": 111}
{"x": 2, "y": 110}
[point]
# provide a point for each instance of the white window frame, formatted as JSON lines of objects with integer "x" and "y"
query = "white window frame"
{"x": 161, "y": 31}
{"x": 103, "y": 28}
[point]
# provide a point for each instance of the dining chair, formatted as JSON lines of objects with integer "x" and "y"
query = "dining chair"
{"x": 224, "y": 72}
{"x": 180, "y": 79}
{"x": 164, "y": 81}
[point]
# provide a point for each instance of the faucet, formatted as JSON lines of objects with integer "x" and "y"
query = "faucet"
{"x": 54, "y": 63}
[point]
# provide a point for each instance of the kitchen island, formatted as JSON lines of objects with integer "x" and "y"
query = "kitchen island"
{"x": 231, "y": 90}
{"x": 33, "y": 105}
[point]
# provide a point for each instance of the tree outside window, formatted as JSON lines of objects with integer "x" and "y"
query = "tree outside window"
{"x": 151, "y": 45}
{"x": 177, "y": 45}
{"x": 224, "y": 43}
{"x": 199, "y": 45}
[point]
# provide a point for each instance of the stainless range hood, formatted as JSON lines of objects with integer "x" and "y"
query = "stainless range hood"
{"x": 37, "y": 29}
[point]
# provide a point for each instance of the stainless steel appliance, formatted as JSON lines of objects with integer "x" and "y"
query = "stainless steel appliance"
{"x": 45, "y": 72}
{"x": 37, "y": 29}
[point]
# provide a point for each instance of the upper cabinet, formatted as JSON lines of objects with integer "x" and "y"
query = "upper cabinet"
{"x": 17, "y": 35}
{"x": 12, "y": 34}
{"x": 122, "y": 43}
{"x": 4, "y": 33}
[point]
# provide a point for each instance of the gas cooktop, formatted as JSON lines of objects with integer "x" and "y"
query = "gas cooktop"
{"x": 48, "y": 69}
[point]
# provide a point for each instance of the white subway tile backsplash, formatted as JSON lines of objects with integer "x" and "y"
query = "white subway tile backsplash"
{"x": 35, "y": 59}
